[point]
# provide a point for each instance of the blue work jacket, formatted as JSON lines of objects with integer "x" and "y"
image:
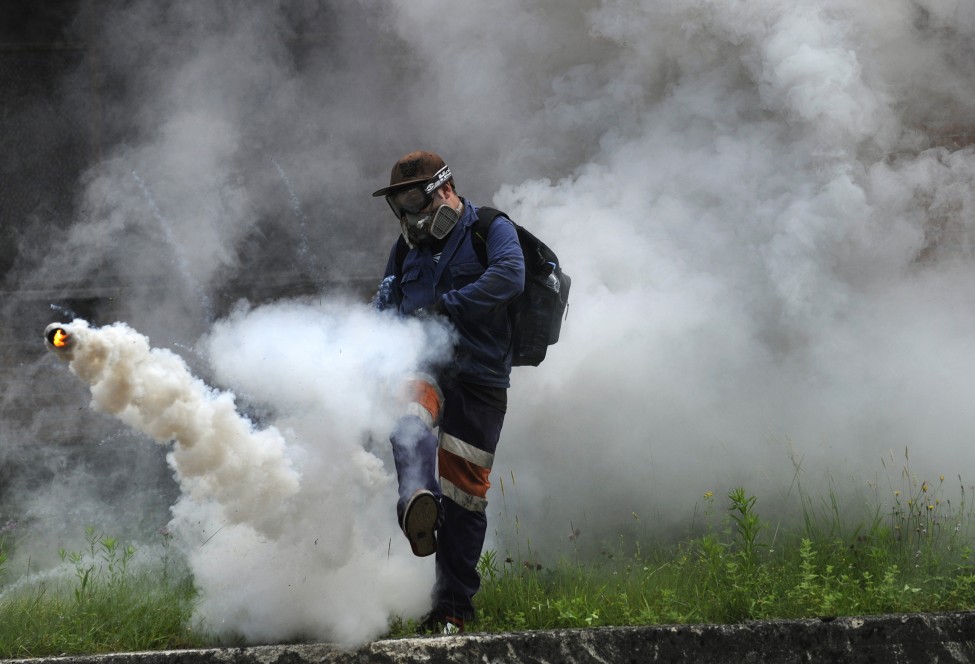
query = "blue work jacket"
{"x": 474, "y": 297}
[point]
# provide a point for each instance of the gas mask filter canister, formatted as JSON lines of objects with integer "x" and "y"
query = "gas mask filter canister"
{"x": 418, "y": 229}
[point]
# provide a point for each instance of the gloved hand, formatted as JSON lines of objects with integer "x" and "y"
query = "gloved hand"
{"x": 385, "y": 295}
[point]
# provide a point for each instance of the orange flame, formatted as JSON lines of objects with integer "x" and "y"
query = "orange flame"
{"x": 60, "y": 338}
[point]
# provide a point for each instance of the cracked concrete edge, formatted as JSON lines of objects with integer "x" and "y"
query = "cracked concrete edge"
{"x": 894, "y": 639}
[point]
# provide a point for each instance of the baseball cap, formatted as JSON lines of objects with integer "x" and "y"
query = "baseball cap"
{"x": 413, "y": 169}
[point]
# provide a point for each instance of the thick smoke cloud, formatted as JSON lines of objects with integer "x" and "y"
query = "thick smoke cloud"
{"x": 302, "y": 511}
{"x": 766, "y": 212}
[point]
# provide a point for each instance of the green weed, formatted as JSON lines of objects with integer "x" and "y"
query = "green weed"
{"x": 108, "y": 606}
{"x": 732, "y": 572}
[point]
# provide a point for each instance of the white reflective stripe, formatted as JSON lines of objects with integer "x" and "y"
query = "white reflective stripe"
{"x": 413, "y": 408}
{"x": 466, "y": 451}
{"x": 427, "y": 378}
{"x": 465, "y": 500}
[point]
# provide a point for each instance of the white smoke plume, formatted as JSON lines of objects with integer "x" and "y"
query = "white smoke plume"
{"x": 756, "y": 272}
{"x": 767, "y": 212}
{"x": 305, "y": 514}
{"x": 341, "y": 568}
{"x": 218, "y": 455}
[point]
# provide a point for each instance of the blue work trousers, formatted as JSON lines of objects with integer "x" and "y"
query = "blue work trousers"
{"x": 455, "y": 466}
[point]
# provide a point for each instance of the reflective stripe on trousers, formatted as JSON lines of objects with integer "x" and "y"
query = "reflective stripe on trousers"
{"x": 464, "y": 472}
{"x": 422, "y": 397}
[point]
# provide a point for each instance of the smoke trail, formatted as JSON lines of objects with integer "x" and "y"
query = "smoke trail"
{"x": 63, "y": 310}
{"x": 217, "y": 455}
{"x": 180, "y": 257}
{"x": 296, "y": 208}
{"x": 305, "y": 255}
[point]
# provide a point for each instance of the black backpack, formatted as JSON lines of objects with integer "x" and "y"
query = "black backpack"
{"x": 536, "y": 314}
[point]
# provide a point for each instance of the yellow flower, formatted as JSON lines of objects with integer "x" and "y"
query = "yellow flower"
{"x": 709, "y": 494}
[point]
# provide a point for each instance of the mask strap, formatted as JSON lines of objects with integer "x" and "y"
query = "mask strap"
{"x": 439, "y": 178}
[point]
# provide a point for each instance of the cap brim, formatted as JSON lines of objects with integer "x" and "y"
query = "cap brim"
{"x": 386, "y": 191}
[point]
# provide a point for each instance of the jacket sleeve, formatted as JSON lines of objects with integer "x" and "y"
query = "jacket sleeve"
{"x": 502, "y": 281}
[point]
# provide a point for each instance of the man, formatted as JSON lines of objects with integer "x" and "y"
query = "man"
{"x": 434, "y": 270}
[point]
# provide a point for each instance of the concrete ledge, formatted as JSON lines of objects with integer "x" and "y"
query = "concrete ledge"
{"x": 893, "y": 639}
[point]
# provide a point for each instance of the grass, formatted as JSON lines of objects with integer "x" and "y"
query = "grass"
{"x": 106, "y": 606}
{"x": 910, "y": 553}
{"x": 735, "y": 575}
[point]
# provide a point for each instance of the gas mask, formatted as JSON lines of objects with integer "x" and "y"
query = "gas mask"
{"x": 408, "y": 204}
{"x": 419, "y": 229}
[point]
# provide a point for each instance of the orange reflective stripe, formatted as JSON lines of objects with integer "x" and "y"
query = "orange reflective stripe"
{"x": 425, "y": 394}
{"x": 466, "y": 476}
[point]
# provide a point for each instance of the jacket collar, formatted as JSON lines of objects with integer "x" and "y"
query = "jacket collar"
{"x": 467, "y": 218}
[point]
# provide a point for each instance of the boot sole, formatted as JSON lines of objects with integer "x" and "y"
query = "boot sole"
{"x": 419, "y": 523}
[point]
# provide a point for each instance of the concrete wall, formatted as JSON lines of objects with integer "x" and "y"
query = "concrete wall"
{"x": 896, "y": 639}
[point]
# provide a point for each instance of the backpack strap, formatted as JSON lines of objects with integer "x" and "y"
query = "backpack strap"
{"x": 479, "y": 231}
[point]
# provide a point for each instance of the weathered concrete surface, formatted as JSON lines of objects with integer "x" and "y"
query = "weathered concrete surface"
{"x": 896, "y": 639}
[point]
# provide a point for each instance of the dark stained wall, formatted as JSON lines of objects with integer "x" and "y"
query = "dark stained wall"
{"x": 47, "y": 136}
